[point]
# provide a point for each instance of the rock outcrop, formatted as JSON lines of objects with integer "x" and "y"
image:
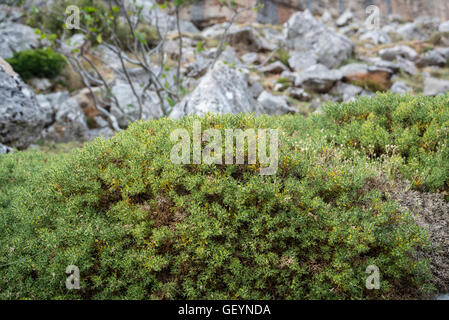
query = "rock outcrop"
{"x": 21, "y": 120}
{"x": 15, "y": 37}
{"x": 222, "y": 90}
{"x": 304, "y": 33}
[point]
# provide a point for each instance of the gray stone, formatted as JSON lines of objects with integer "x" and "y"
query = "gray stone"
{"x": 41, "y": 84}
{"x": 21, "y": 121}
{"x": 428, "y": 24}
{"x": 444, "y": 27}
{"x": 75, "y": 42}
{"x": 318, "y": 78}
{"x": 100, "y": 132}
{"x": 268, "y": 14}
{"x": 306, "y": 34}
{"x": 273, "y": 36}
{"x": 129, "y": 104}
{"x": 222, "y": 90}
{"x": 379, "y": 63}
{"x": 274, "y": 105}
{"x": 353, "y": 69}
{"x": 376, "y": 37}
{"x": 291, "y": 76}
{"x": 327, "y": 18}
{"x": 350, "y": 30}
{"x": 15, "y": 37}
{"x": 214, "y": 31}
{"x": 275, "y": 67}
{"x": 411, "y": 31}
{"x": 400, "y": 87}
{"x": 444, "y": 52}
{"x": 347, "y": 91}
{"x": 299, "y": 61}
{"x": 432, "y": 58}
{"x": 5, "y": 149}
{"x": 256, "y": 89}
{"x": 199, "y": 67}
{"x": 299, "y": 94}
{"x": 10, "y": 14}
{"x": 250, "y": 58}
{"x": 406, "y": 65}
{"x": 345, "y": 18}
{"x": 433, "y": 86}
{"x": 153, "y": 15}
{"x": 49, "y": 104}
{"x": 249, "y": 38}
{"x": 228, "y": 56}
{"x": 68, "y": 123}
{"x": 405, "y": 52}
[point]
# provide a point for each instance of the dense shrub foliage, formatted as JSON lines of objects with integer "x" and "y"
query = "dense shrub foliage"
{"x": 413, "y": 130}
{"x": 41, "y": 63}
{"x": 140, "y": 227}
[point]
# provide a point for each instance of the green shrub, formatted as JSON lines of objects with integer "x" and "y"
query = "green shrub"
{"x": 414, "y": 128}
{"x": 140, "y": 227}
{"x": 41, "y": 63}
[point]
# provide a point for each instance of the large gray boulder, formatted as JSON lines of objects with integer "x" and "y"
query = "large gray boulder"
{"x": 222, "y": 90}
{"x": 433, "y": 86}
{"x": 305, "y": 33}
{"x": 15, "y": 37}
{"x": 21, "y": 120}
